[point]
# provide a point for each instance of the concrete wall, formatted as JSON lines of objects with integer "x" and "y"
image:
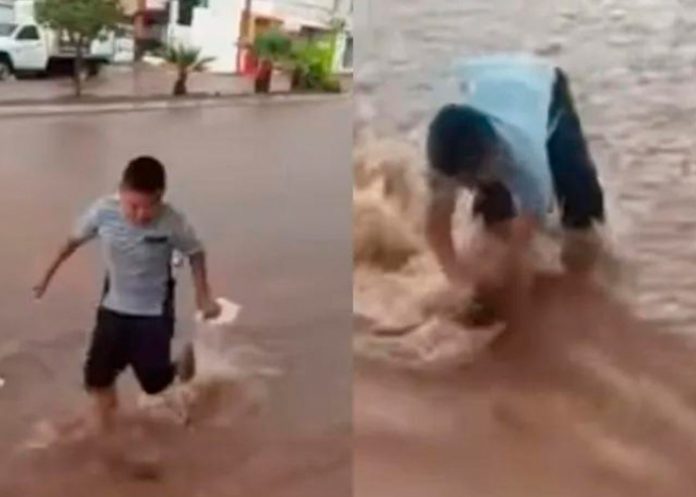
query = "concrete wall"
{"x": 216, "y": 31}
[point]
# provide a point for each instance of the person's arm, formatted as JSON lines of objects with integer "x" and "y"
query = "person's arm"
{"x": 84, "y": 230}
{"x": 205, "y": 303}
{"x": 441, "y": 205}
{"x": 187, "y": 243}
{"x": 66, "y": 250}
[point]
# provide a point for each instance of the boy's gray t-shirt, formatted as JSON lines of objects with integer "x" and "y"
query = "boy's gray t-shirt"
{"x": 137, "y": 259}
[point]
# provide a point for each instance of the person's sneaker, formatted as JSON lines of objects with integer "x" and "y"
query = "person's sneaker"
{"x": 186, "y": 364}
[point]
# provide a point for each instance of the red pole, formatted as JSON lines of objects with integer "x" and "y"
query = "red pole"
{"x": 244, "y": 32}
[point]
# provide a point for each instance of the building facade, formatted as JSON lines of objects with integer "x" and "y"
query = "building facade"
{"x": 214, "y": 26}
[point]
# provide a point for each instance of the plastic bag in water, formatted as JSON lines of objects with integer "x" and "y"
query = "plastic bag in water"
{"x": 222, "y": 353}
{"x": 231, "y": 374}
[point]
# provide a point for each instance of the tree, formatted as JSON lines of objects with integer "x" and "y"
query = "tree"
{"x": 81, "y": 22}
{"x": 185, "y": 60}
{"x": 139, "y": 28}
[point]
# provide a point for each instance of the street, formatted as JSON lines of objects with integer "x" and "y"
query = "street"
{"x": 267, "y": 185}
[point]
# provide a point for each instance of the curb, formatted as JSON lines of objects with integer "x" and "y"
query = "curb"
{"x": 13, "y": 110}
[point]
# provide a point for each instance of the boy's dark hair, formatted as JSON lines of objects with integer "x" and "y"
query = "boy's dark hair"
{"x": 459, "y": 138}
{"x": 144, "y": 175}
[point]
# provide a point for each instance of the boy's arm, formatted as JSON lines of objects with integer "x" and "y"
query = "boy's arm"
{"x": 66, "y": 250}
{"x": 187, "y": 243}
{"x": 84, "y": 230}
{"x": 466, "y": 268}
{"x": 440, "y": 210}
{"x": 199, "y": 273}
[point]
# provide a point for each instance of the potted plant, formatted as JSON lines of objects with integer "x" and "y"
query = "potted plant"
{"x": 270, "y": 48}
{"x": 309, "y": 70}
{"x": 185, "y": 60}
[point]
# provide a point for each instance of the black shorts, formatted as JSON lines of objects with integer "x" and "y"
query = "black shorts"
{"x": 142, "y": 342}
{"x": 574, "y": 175}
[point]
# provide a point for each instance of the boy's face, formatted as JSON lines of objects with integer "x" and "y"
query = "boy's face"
{"x": 140, "y": 208}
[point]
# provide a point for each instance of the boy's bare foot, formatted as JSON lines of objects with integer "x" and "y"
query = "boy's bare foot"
{"x": 186, "y": 364}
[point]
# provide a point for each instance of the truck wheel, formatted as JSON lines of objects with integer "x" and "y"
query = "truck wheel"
{"x": 5, "y": 70}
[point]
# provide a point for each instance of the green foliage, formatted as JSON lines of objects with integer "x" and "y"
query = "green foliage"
{"x": 273, "y": 45}
{"x": 81, "y": 21}
{"x": 310, "y": 65}
{"x": 185, "y": 58}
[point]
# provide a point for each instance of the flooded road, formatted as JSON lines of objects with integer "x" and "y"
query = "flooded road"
{"x": 631, "y": 66}
{"x": 250, "y": 178}
{"x": 600, "y": 403}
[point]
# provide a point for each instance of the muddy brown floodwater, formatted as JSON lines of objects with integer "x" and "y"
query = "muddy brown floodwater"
{"x": 251, "y": 178}
{"x": 585, "y": 394}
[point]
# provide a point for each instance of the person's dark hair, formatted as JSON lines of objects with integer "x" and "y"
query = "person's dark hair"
{"x": 459, "y": 138}
{"x": 144, "y": 175}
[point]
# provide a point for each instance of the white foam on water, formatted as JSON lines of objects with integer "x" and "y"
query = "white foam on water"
{"x": 232, "y": 374}
{"x": 398, "y": 287}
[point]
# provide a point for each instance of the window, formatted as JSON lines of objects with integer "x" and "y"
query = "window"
{"x": 7, "y": 29}
{"x": 186, "y": 11}
{"x": 28, "y": 33}
{"x": 348, "y": 53}
{"x": 312, "y": 34}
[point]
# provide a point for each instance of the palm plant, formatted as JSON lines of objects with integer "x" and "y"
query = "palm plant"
{"x": 270, "y": 48}
{"x": 185, "y": 60}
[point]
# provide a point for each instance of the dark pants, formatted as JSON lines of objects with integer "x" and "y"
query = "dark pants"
{"x": 142, "y": 342}
{"x": 575, "y": 180}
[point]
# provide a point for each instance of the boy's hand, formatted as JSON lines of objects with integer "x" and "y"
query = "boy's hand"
{"x": 210, "y": 309}
{"x": 491, "y": 265}
{"x": 39, "y": 290}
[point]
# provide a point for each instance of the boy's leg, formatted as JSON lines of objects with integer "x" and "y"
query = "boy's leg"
{"x": 106, "y": 358}
{"x": 575, "y": 180}
{"x": 105, "y": 406}
{"x": 150, "y": 353}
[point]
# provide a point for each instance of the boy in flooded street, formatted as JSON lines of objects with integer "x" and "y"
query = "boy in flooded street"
{"x": 516, "y": 142}
{"x": 135, "y": 320}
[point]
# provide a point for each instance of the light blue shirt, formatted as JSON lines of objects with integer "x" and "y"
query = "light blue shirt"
{"x": 515, "y": 91}
{"x": 137, "y": 259}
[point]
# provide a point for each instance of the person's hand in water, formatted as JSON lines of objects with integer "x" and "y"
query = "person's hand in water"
{"x": 39, "y": 290}
{"x": 485, "y": 266}
{"x": 210, "y": 309}
{"x": 207, "y": 305}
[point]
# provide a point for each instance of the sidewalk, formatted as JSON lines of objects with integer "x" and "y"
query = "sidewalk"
{"x": 135, "y": 85}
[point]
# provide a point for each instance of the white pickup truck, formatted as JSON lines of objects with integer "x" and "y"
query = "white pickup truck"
{"x": 26, "y": 47}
